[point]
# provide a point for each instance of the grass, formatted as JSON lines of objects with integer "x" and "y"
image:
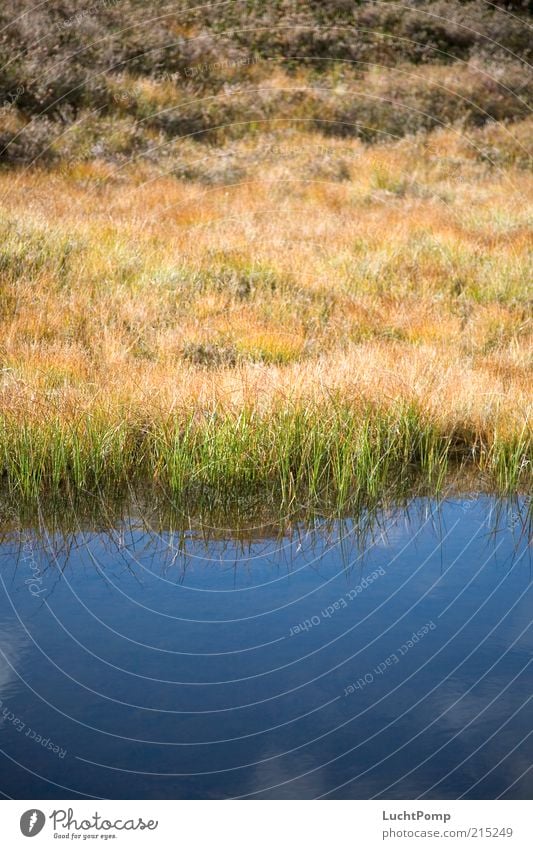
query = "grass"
{"x": 332, "y": 454}
{"x": 293, "y": 339}
{"x": 233, "y": 270}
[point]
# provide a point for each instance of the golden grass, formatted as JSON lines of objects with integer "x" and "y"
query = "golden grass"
{"x": 398, "y": 273}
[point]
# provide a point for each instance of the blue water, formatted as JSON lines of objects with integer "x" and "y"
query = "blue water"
{"x": 325, "y": 663}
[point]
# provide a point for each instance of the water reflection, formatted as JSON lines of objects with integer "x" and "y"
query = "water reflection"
{"x": 386, "y": 654}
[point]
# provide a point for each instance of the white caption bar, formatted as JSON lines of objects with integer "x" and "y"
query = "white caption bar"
{"x": 266, "y": 824}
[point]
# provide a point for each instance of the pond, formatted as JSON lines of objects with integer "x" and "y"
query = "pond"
{"x": 384, "y": 656}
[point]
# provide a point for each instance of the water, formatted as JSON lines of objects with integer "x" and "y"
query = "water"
{"x": 328, "y": 663}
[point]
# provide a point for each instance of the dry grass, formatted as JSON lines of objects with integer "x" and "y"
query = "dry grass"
{"x": 277, "y": 272}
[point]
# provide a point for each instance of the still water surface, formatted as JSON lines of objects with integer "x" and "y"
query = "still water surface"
{"x": 326, "y": 663}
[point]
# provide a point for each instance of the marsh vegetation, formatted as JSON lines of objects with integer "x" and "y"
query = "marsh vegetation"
{"x": 253, "y": 262}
